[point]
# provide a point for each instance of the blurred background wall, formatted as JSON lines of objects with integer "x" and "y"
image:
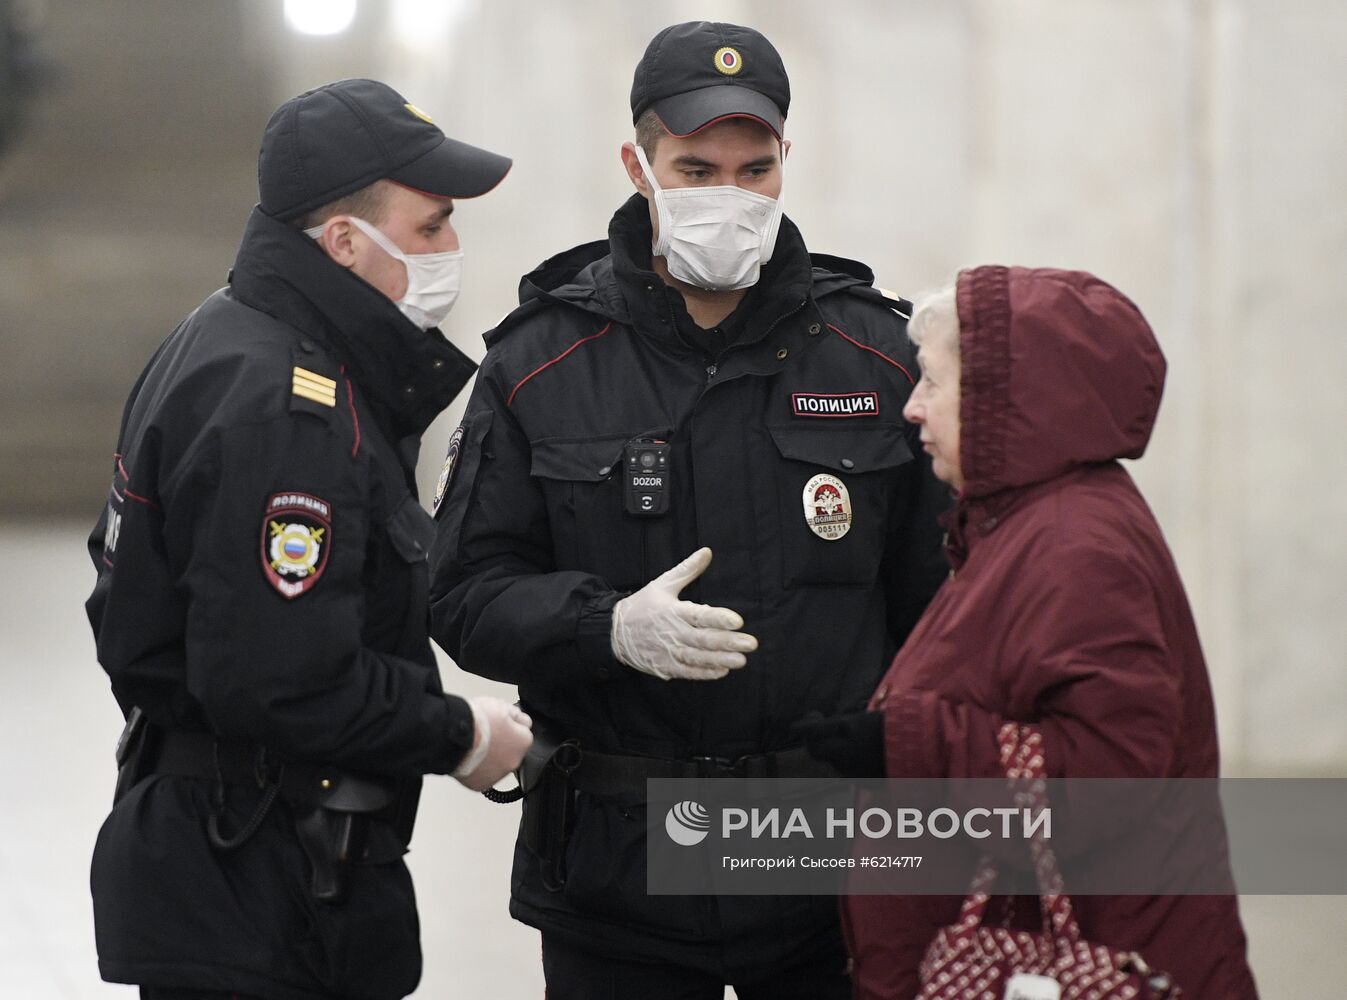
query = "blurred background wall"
{"x": 1190, "y": 151}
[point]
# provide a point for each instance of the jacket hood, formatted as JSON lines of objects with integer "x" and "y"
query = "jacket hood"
{"x": 568, "y": 277}
{"x": 1059, "y": 370}
{"x": 832, "y": 273}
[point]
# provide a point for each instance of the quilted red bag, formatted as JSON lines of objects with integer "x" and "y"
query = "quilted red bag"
{"x": 968, "y": 961}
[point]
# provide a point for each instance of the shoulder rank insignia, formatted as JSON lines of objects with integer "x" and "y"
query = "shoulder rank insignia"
{"x": 896, "y": 302}
{"x": 296, "y": 538}
{"x": 312, "y": 386}
{"x": 883, "y": 297}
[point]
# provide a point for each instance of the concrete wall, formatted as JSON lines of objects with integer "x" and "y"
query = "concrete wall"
{"x": 119, "y": 211}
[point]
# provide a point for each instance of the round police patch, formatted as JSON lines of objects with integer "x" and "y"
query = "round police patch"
{"x": 827, "y": 507}
{"x": 447, "y": 473}
{"x": 729, "y": 61}
{"x": 296, "y": 537}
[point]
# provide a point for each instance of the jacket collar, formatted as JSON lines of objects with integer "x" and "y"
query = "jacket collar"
{"x": 613, "y": 281}
{"x": 408, "y": 375}
{"x": 972, "y": 519}
{"x": 783, "y": 287}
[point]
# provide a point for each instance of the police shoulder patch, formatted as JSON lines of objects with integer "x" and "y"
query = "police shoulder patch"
{"x": 447, "y": 472}
{"x": 296, "y": 539}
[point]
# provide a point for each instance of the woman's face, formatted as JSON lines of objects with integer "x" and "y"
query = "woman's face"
{"x": 934, "y": 407}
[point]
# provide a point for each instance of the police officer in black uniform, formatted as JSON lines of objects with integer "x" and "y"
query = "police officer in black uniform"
{"x": 697, "y": 383}
{"x": 261, "y": 604}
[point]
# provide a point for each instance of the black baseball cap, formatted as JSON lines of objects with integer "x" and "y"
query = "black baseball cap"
{"x": 700, "y": 72}
{"x": 343, "y": 136}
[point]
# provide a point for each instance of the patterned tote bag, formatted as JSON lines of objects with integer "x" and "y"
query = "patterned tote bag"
{"x": 970, "y": 961}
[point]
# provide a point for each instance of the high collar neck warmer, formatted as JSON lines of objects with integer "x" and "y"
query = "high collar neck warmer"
{"x": 409, "y": 375}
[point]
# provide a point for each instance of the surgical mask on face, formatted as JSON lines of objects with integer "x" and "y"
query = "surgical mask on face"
{"x": 433, "y": 279}
{"x": 714, "y": 237}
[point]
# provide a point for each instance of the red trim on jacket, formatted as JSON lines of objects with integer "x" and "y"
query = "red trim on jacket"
{"x": 355, "y": 420}
{"x": 873, "y": 351}
{"x": 126, "y": 488}
{"x": 520, "y": 384}
{"x": 140, "y": 499}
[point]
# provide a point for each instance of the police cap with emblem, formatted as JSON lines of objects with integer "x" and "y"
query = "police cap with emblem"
{"x": 700, "y": 72}
{"x": 336, "y": 139}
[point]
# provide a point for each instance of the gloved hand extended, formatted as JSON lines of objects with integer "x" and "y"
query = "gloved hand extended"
{"x": 501, "y": 734}
{"x": 658, "y": 634}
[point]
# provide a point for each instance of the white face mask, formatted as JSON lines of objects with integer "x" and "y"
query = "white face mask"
{"x": 714, "y": 237}
{"x": 433, "y": 279}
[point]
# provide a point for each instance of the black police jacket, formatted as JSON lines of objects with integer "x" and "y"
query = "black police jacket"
{"x": 262, "y": 576}
{"x": 789, "y": 459}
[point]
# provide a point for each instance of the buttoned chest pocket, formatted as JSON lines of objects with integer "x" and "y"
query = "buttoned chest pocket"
{"x": 591, "y": 531}
{"x": 405, "y": 580}
{"x": 834, "y": 490}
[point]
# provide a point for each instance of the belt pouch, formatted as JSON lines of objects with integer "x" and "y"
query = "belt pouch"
{"x": 137, "y": 748}
{"x": 331, "y": 812}
{"x": 331, "y": 841}
{"x": 549, "y": 803}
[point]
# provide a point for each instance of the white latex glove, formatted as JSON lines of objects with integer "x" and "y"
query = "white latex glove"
{"x": 501, "y": 734}
{"x": 657, "y": 634}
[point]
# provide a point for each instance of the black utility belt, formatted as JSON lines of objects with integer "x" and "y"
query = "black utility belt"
{"x": 614, "y": 774}
{"x": 233, "y": 762}
{"x": 553, "y": 769}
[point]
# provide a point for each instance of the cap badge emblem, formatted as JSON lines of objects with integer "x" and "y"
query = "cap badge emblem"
{"x": 419, "y": 114}
{"x": 729, "y": 61}
{"x": 827, "y": 507}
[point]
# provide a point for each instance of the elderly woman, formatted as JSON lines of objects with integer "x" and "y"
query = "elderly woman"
{"x": 1063, "y": 609}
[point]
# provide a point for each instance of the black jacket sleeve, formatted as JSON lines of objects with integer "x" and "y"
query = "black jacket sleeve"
{"x": 499, "y": 605}
{"x": 294, "y": 672}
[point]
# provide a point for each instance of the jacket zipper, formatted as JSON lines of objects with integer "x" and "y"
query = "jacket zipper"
{"x": 712, "y": 368}
{"x": 645, "y": 549}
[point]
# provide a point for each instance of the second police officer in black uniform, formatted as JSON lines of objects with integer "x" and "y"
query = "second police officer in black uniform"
{"x": 694, "y": 384}
{"x": 261, "y": 605}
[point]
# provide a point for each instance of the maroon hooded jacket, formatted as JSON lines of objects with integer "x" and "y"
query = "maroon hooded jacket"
{"x": 1064, "y": 609}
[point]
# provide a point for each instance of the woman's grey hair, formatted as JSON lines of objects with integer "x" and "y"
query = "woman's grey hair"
{"x": 935, "y": 314}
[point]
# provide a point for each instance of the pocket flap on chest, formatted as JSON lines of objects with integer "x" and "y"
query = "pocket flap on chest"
{"x": 844, "y": 449}
{"x": 590, "y": 460}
